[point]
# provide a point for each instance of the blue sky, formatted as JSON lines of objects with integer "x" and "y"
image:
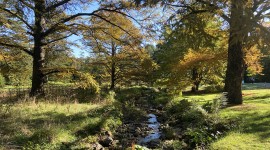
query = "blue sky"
{"x": 81, "y": 51}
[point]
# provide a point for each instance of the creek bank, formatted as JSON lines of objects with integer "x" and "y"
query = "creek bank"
{"x": 145, "y": 131}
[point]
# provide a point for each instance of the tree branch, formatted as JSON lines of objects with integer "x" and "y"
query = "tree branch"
{"x": 17, "y": 46}
{"x": 225, "y": 17}
{"x": 20, "y": 18}
{"x": 54, "y": 27}
{"x": 26, "y": 4}
{"x": 56, "y": 5}
{"x": 58, "y": 70}
{"x": 55, "y": 40}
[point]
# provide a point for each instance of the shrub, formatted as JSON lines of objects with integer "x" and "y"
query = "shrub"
{"x": 110, "y": 124}
{"x": 87, "y": 88}
{"x": 173, "y": 144}
{"x": 199, "y": 127}
{"x": 214, "y": 88}
{"x": 214, "y": 106}
{"x": 110, "y": 97}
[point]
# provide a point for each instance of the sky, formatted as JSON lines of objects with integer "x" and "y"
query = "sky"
{"x": 81, "y": 51}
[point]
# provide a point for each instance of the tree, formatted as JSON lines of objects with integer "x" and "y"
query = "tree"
{"x": 243, "y": 17}
{"x": 117, "y": 51}
{"x": 33, "y": 25}
{"x": 192, "y": 52}
{"x": 15, "y": 67}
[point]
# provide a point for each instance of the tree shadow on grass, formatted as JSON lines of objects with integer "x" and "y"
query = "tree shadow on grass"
{"x": 255, "y": 86}
{"x": 259, "y": 99}
{"x": 256, "y": 124}
{"x": 79, "y": 125}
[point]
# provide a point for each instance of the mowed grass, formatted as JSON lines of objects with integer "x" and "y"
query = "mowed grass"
{"x": 48, "y": 125}
{"x": 253, "y": 118}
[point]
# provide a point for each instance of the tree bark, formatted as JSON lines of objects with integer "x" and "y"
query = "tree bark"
{"x": 38, "y": 78}
{"x": 196, "y": 80}
{"x": 245, "y": 75}
{"x": 113, "y": 69}
{"x": 233, "y": 81}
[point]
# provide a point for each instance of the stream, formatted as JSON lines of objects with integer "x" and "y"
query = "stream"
{"x": 154, "y": 133}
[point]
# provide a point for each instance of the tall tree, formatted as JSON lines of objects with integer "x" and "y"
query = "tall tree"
{"x": 118, "y": 52}
{"x": 243, "y": 17}
{"x": 191, "y": 51}
{"x": 36, "y": 24}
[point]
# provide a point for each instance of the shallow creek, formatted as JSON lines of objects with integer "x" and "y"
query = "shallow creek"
{"x": 154, "y": 133}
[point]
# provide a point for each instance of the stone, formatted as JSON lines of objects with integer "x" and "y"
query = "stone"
{"x": 153, "y": 143}
{"x": 97, "y": 146}
{"x": 107, "y": 142}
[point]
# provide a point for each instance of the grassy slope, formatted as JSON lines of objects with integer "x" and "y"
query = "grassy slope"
{"x": 253, "y": 116}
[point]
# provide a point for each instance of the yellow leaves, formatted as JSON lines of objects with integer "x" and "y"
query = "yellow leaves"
{"x": 195, "y": 58}
{"x": 7, "y": 25}
{"x": 87, "y": 81}
{"x": 148, "y": 65}
{"x": 4, "y": 57}
{"x": 252, "y": 59}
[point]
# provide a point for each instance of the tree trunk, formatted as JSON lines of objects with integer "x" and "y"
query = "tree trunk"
{"x": 113, "y": 69}
{"x": 38, "y": 78}
{"x": 196, "y": 80}
{"x": 233, "y": 81}
{"x": 112, "y": 77}
{"x": 245, "y": 75}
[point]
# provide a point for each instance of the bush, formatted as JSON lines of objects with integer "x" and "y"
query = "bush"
{"x": 2, "y": 81}
{"x": 85, "y": 95}
{"x": 173, "y": 144}
{"x": 214, "y": 88}
{"x": 87, "y": 88}
{"x": 214, "y": 106}
{"x": 111, "y": 123}
{"x": 199, "y": 128}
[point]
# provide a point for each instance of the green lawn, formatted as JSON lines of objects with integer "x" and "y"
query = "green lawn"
{"x": 253, "y": 117}
{"x": 47, "y": 125}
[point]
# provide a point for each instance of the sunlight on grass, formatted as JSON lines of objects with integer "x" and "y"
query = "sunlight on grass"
{"x": 240, "y": 141}
{"x": 202, "y": 97}
{"x": 254, "y": 120}
{"x": 47, "y": 122}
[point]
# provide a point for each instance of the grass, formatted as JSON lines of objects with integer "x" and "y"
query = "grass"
{"x": 52, "y": 125}
{"x": 253, "y": 118}
{"x": 48, "y": 125}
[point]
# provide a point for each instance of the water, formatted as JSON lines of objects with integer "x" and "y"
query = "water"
{"x": 154, "y": 132}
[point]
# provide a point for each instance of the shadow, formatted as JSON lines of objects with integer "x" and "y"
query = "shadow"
{"x": 257, "y": 97}
{"x": 255, "y": 86}
{"x": 79, "y": 124}
{"x": 201, "y": 93}
{"x": 255, "y": 123}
